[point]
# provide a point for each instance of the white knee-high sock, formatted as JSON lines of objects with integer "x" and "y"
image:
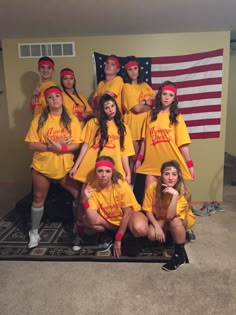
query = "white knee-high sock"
{"x": 36, "y": 217}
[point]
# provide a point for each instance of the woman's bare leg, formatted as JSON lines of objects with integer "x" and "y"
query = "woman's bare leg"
{"x": 138, "y": 224}
{"x": 149, "y": 180}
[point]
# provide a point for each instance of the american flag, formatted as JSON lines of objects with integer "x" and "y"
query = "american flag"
{"x": 198, "y": 78}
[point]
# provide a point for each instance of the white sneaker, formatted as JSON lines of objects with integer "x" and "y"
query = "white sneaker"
{"x": 34, "y": 239}
{"x": 77, "y": 244}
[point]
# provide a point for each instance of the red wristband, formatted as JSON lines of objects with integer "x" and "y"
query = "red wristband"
{"x": 64, "y": 148}
{"x": 190, "y": 163}
{"x": 140, "y": 157}
{"x": 85, "y": 204}
{"x": 118, "y": 236}
{"x": 79, "y": 115}
{"x": 32, "y": 106}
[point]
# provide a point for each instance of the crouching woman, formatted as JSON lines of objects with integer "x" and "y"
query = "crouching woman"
{"x": 167, "y": 206}
{"x": 109, "y": 204}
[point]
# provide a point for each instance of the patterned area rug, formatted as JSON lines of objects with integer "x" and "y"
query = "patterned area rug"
{"x": 57, "y": 237}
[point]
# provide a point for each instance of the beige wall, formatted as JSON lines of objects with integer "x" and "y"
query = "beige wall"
{"x": 230, "y": 142}
{"x": 21, "y": 77}
{"x": 7, "y": 182}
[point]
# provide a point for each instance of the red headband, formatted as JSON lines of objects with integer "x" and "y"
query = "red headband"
{"x": 52, "y": 90}
{"x": 104, "y": 163}
{"x": 116, "y": 61}
{"x": 131, "y": 64}
{"x": 47, "y": 63}
{"x": 170, "y": 88}
{"x": 67, "y": 72}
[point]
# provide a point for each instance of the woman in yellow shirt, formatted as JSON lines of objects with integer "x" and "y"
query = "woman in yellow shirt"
{"x": 137, "y": 101}
{"x": 74, "y": 102}
{"x": 104, "y": 135}
{"x": 109, "y": 204}
{"x": 53, "y": 137}
{"x": 165, "y": 137}
{"x": 167, "y": 206}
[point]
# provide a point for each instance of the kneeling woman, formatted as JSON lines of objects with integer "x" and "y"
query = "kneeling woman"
{"x": 167, "y": 206}
{"x": 110, "y": 204}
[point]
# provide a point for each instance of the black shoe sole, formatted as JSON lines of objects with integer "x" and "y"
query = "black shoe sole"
{"x": 169, "y": 270}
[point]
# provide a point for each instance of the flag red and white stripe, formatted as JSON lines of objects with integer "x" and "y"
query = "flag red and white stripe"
{"x": 199, "y": 81}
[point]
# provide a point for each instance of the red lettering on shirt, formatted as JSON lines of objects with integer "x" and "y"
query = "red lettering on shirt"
{"x": 110, "y": 211}
{"x": 57, "y": 134}
{"x": 159, "y": 135}
{"x": 145, "y": 96}
{"x": 110, "y": 143}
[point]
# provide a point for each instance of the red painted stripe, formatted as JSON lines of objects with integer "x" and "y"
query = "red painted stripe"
{"x": 197, "y": 69}
{"x": 201, "y": 82}
{"x": 205, "y": 135}
{"x": 203, "y": 122}
{"x": 186, "y": 58}
{"x": 201, "y": 109}
{"x": 199, "y": 96}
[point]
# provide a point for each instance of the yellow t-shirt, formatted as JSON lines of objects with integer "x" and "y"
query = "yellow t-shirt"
{"x": 53, "y": 165}
{"x": 115, "y": 86}
{"x": 40, "y": 102}
{"x": 182, "y": 210}
{"x": 162, "y": 142}
{"x": 72, "y": 107}
{"x": 110, "y": 201}
{"x": 85, "y": 172}
{"x": 133, "y": 94}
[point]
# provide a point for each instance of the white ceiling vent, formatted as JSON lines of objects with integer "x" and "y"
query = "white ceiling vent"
{"x": 37, "y": 50}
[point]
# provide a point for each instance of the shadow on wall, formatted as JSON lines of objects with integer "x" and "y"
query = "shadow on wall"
{"x": 230, "y": 169}
{"x": 28, "y": 82}
{"x": 216, "y": 185}
{"x": 22, "y": 118}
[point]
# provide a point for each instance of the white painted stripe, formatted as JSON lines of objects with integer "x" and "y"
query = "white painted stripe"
{"x": 197, "y": 103}
{"x": 206, "y": 115}
{"x": 187, "y": 64}
{"x": 204, "y": 128}
{"x": 200, "y": 89}
{"x": 188, "y": 77}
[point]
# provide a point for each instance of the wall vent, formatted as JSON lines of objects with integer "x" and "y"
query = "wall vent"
{"x": 37, "y": 50}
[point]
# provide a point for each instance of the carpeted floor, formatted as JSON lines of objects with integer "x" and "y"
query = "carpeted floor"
{"x": 57, "y": 237}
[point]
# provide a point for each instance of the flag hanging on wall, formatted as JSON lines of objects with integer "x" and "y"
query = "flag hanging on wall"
{"x": 198, "y": 78}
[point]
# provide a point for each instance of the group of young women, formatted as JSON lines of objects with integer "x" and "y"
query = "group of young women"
{"x": 95, "y": 151}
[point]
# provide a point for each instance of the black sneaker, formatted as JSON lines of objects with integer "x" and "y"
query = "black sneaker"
{"x": 190, "y": 236}
{"x": 106, "y": 241}
{"x": 174, "y": 263}
{"x": 169, "y": 243}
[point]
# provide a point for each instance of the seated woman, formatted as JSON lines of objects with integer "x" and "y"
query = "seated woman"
{"x": 167, "y": 206}
{"x": 110, "y": 204}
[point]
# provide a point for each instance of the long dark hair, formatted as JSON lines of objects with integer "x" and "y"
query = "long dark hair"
{"x": 179, "y": 186}
{"x": 125, "y": 72}
{"x": 74, "y": 88}
{"x": 65, "y": 118}
{"x": 102, "y": 119}
{"x": 115, "y": 174}
{"x": 174, "y": 109}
